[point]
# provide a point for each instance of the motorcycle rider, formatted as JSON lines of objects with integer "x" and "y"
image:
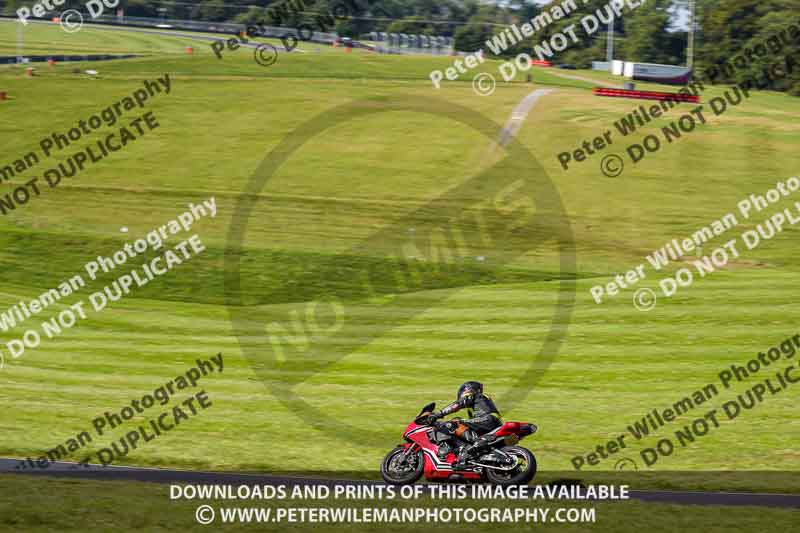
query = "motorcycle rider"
{"x": 484, "y": 418}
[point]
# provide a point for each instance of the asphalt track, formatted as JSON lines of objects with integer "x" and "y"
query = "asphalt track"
{"x": 158, "y": 475}
{"x": 519, "y": 114}
{"x": 583, "y": 78}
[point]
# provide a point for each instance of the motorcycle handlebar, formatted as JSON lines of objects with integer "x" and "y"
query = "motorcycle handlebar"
{"x": 425, "y": 419}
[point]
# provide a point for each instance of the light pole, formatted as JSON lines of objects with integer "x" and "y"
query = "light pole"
{"x": 690, "y": 44}
{"x": 20, "y": 44}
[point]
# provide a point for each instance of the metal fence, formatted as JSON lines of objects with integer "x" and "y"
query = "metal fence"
{"x": 393, "y": 43}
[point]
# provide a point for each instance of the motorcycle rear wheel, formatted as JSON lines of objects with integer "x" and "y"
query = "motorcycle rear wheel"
{"x": 520, "y": 475}
{"x": 397, "y": 470}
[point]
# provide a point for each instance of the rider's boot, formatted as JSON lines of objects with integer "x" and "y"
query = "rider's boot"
{"x": 468, "y": 452}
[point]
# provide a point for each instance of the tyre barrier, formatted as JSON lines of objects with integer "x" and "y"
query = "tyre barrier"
{"x": 646, "y": 95}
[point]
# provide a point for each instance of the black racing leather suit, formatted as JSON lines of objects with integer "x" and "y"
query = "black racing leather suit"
{"x": 485, "y": 416}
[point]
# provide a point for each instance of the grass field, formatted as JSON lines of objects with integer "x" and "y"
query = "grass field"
{"x": 359, "y": 178}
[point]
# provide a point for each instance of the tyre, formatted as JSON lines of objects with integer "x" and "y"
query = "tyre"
{"x": 398, "y": 468}
{"x": 521, "y": 475}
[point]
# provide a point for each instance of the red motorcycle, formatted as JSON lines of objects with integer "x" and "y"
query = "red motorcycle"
{"x": 429, "y": 450}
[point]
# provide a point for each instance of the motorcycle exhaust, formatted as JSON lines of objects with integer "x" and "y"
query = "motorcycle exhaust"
{"x": 501, "y": 468}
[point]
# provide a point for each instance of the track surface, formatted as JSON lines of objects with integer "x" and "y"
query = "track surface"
{"x": 583, "y": 78}
{"x": 157, "y": 475}
{"x": 519, "y": 114}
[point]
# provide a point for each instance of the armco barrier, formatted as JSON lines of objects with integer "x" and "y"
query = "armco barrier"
{"x": 65, "y": 58}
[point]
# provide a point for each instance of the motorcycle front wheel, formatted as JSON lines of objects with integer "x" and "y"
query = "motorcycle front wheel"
{"x": 522, "y": 474}
{"x": 401, "y": 468}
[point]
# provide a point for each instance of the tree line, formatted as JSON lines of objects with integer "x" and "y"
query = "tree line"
{"x": 655, "y": 32}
